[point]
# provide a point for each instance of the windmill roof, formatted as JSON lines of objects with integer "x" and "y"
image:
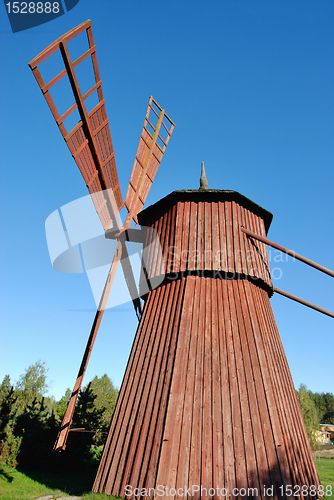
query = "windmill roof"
{"x": 208, "y": 195}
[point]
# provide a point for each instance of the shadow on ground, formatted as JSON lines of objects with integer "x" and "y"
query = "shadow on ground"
{"x": 74, "y": 481}
{"x": 5, "y": 474}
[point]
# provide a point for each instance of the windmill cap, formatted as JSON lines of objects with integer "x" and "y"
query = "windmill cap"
{"x": 207, "y": 195}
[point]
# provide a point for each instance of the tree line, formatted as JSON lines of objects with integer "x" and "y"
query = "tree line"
{"x": 30, "y": 421}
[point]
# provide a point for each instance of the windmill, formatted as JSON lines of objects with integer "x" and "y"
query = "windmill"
{"x": 207, "y": 406}
{"x": 91, "y": 146}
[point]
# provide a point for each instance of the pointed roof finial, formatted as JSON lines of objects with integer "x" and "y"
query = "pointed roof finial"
{"x": 203, "y": 180}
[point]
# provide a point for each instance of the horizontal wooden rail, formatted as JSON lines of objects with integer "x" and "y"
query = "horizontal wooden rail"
{"x": 288, "y": 252}
{"x": 304, "y": 302}
{"x": 79, "y": 429}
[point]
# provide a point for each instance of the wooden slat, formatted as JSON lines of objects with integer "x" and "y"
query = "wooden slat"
{"x": 140, "y": 411}
{"x": 170, "y": 451}
{"x": 84, "y": 56}
{"x": 195, "y": 473}
{"x": 188, "y": 408}
{"x": 159, "y": 402}
{"x": 244, "y": 372}
{"x": 56, "y": 79}
{"x": 200, "y": 236}
{"x": 232, "y": 356}
{"x": 192, "y": 241}
{"x": 96, "y": 108}
{"x": 191, "y": 435}
{"x": 153, "y": 385}
{"x": 171, "y": 248}
{"x": 217, "y": 437}
{"x": 241, "y": 241}
{"x": 215, "y": 237}
{"x": 269, "y": 421}
{"x": 229, "y": 238}
{"x": 251, "y": 364}
{"x": 66, "y": 114}
{"x": 235, "y": 238}
{"x": 185, "y": 235}
{"x": 222, "y": 236}
{"x": 207, "y": 237}
{"x": 224, "y": 322}
{"x": 206, "y": 475}
{"x": 178, "y": 237}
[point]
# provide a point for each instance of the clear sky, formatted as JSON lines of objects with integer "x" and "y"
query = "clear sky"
{"x": 249, "y": 85}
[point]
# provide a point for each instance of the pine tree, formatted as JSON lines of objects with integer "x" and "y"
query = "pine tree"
{"x": 37, "y": 428}
{"x": 9, "y": 442}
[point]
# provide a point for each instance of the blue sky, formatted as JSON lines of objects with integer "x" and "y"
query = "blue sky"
{"x": 249, "y": 85}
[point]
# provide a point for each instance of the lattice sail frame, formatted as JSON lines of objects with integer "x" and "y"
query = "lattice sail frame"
{"x": 89, "y": 140}
{"x": 150, "y": 151}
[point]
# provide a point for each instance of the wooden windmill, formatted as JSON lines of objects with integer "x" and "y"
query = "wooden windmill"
{"x": 207, "y": 407}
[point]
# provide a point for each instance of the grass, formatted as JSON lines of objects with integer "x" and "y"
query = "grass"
{"x": 29, "y": 485}
{"x": 325, "y": 468}
{"x": 16, "y": 485}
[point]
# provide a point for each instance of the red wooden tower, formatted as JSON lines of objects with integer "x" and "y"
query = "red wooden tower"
{"x": 207, "y": 399}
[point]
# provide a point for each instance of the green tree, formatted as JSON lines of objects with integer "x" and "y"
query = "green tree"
{"x": 328, "y": 415}
{"x": 324, "y": 403}
{"x": 31, "y": 385}
{"x": 309, "y": 413}
{"x": 86, "y": 415}
{"x": 9, "y": 443}
{"x": 5, "y": 388}
{"x": 37, "y": 429}
{"x": 105, "y": 399}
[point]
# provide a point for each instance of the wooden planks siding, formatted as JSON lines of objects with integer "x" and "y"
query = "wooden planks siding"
{"x": 207, "y": 397}
{"x": 206, "y": 236}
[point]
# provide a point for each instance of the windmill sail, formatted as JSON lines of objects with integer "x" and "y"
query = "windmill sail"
{"x": 89, "y": 140}
{"x": 157, "y": 129}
